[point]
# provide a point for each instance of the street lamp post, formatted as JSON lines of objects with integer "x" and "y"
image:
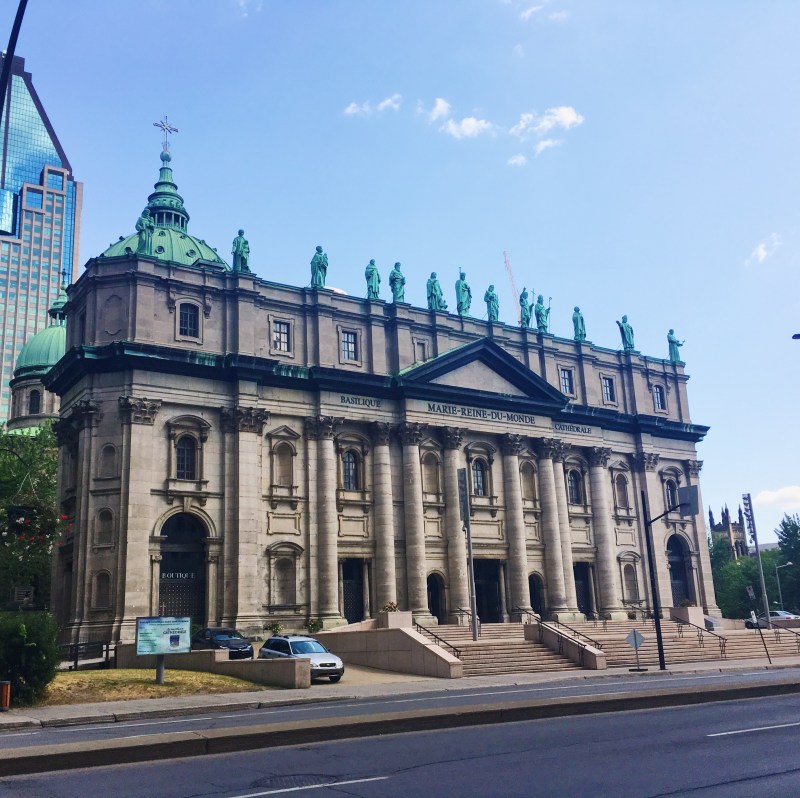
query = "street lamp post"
{"x": 778, "y": 579}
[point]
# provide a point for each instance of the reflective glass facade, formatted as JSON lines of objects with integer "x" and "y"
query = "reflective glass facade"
{"x": 39, "y": 216}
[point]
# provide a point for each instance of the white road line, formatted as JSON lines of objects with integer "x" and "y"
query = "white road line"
{"x": 310, "y": 787}
{"x": 754, "y": 729}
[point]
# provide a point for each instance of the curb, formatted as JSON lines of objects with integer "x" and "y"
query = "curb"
{"x": 69, "y": 756}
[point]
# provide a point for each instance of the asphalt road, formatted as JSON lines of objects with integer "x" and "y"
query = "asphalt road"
{"x": 408, "y": 702}
{"x": 738, "y": 749}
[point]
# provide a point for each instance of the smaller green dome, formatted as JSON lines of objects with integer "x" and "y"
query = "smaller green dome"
{"x": 40, "y": 353}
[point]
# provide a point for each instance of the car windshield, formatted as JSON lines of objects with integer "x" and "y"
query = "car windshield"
{"x": 229, "y": 635}
{"x": 308, "y": 647}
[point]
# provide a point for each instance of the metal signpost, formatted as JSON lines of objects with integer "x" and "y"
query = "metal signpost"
{"x": 463, "y": 504}
{"x": 161, "y": 635}
{"x": 635, "y": 640}
{"x": 751, "y": 528}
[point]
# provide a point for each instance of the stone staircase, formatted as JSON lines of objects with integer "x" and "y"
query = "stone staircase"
{"x": 501, "y": 648}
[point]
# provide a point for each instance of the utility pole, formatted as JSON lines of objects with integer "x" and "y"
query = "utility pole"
{"x": 751, "y": 528}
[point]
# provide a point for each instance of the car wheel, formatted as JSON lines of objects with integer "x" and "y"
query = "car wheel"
{"x": 336, "y": 678}
{"x": 748, "y": 625}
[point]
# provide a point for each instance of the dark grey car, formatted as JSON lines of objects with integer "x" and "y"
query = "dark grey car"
{"x": 323, "y": 663}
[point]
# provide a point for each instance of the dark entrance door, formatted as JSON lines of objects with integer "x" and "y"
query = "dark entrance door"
{"x": 353, "y": 589}
{"x": 182, "y": 586}
{"x": 436, "y": 597}
{"x": 536, "y": 589}
{"x": 583, "y": 589}
{"x": 678, "y": 571}
{"x": 487, "y": 590}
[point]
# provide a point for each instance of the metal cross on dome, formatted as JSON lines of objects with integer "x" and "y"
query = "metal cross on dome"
{"x": 167, "y": 128}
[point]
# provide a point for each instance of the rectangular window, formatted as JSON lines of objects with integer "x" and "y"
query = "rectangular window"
{"x": 33, "y": 199}
{"x": 189, "y": 322}
{"x": 349, "y": 345}
{"x": 659, "y": 397}
{"x": 567, "y": 382}
{"x": 609, "y": 391}
{"x": 281, "y": 332}
{"x": 55, "y": 180}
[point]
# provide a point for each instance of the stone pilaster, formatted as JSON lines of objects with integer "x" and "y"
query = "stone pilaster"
{"x": 511, "y": 446}
{"x": 707, "y": 597}
{"x": 452, "y": 437}
{"x": 610, "y": 599}
{"x": 385, "y": 574}
{"x": 560, "y": 451}
{"x": 556, "y": 596}
{"x": 138, "y": 410}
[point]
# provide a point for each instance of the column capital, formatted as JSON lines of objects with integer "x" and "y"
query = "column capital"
{"x": 646, "y": 461}
{"x": 511, "y": 443}
{"x": 244, "y": 419}
{"x": 452, "y": 437}
{"x": 546, "y": 447}
{"x": 411, "y": 432}
{"x": 599, "y": 456}
{"x": 695, "y": 467}
{"x": 138, "y": 410}
{"x": 322, "y": 427}
{"x": 560, "y": 451}
{"x": 381, "y": 433}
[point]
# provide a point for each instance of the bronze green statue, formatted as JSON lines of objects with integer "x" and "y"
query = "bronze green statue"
{"x": 674, "y": 344}
{"x": 397, "y": 282}
{"x": 241, "y": 253}
{"x": 463, "y": 295}
{"x": 319, "y": 269}
{"x": 626, "y": 331}
{"x": 492, "y": 304}
{"x": 145, "y": 226}
{"x": 542, "y": 314}
{"x": 435, "y": 298}
{"x": 524, "y": 309}
{"x": 578, "y": 325}
{"x": 373, "y": 281}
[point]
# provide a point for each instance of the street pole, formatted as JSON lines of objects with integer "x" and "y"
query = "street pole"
{"x": 463, "y": 503}
{"x": 751, "y": 525}
{"x": 662, "y": 665}
{"x": 778, "y": 580}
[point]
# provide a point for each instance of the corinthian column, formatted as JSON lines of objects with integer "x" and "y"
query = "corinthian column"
{"x": 556, "y": 598}
{"x": 610, "y": 599}
{"x": 456, "y": 546}
{"x": 385, "y": 577}
{"x": 511, "y": 446}
{"x": 559, "y": 453}
{"x": 411, "y": 435}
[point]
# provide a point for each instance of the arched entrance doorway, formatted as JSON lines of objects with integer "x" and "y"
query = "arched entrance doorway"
{"x": 436, "y": 605}
{"x": 680, "y": 574}
{"x": 536, "y": 589}
{"x": 182, "y": 584}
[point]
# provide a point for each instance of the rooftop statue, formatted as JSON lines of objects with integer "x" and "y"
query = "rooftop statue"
{"x": 674, "y": 344}
{"x": 578, "y": 325}
{"x": 319, "y": 269}
{"x": 542, "y": 314}
{"x": 435, "y": 298}
{"x": 463, "y": 295}
{"x": 397, "y": 282}
{"x": 241, "y": 253}
{"x": 492, "y": 304}
{"x": 626, "y": 331}
{"x": 524, "y": 309}
{"x": 373, "y": 281}
{"x": 145, "y": 227}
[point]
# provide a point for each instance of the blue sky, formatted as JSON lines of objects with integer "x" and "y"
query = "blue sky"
{"x": 630, "y": 157}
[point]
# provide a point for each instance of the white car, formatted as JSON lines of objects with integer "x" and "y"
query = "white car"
{"x": 774, "y": 615}
{"x": 323, "y": 662}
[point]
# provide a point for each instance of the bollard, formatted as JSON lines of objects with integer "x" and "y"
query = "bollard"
{"x": 5, "y": 696}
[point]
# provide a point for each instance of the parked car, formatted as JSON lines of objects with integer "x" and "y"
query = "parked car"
{"x": 774, "y": 615}
{"x": 239, "y": 647}
{"x": 323, "y": 663}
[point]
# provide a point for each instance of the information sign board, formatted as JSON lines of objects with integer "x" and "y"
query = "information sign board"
{"x": 163, "y": 635}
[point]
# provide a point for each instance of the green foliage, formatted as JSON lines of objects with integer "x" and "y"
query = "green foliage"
{"x": 29, "y": 653}
{"x": 275, "y": 628}
{"x": 30, "y": 524}
{"x": 313, "y": 625}
{"x": 788, "y": 533}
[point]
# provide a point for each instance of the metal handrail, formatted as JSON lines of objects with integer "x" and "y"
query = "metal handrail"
{"x": 560, "y": 636}
{"x": 595, "y": 643}
{"x": 440, "y": 640}
{"x": 529, "y": 614}
{"x": 700, "y": 633}
{"x": 778, "y": 629}
{"x": 462, "y": 611}
{"x": 595, "y": 619}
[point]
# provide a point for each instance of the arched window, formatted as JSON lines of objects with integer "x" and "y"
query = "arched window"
{"x": 631, "y": 584}
{"x": 189, "y": 320}
{"x": 102, "y": 590}
{"x": 284, "y": 582}
{"x": 621, "y": 489}
{"x": 527, "y": 478}
{"x": 479, "y": 482}
{"x": 284, "y": 457}
{"x": 575, "y": 486}
{"x": 34, "y": 403}
{"x": 350, "y": 471}
{"x": 430, "y": 473}
{"x": 108, "y": 461}
{"x": 659, "y": 397}
{"x": 671, "y": 494}
{"x": 105, "y": 528}
{"x": 186, "y": 458}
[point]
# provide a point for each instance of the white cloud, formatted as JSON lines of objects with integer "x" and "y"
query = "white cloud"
{"x": 517, "y": 160}
{"x": 441, "y": 110}
{"x": 354, "y": 109}
{"x": 467, "y": 128}
{"x": 523, "y": 127}
{"x": 367, "y": 108}
{"x": 563, "y": 116}
{"x": 764, "y": 249}
{"x": 558, "y": 16}
{"x": 247, "y": 6}
{"x": 785, "y": 500}
{"x": 390, "y": 103}
{"x": 530, "y": 12}
{"x": 546, "y": 144}
{"x": 519, "y": 51}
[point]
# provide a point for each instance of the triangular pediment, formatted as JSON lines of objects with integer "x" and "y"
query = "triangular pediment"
{"x": 480, "y": 375}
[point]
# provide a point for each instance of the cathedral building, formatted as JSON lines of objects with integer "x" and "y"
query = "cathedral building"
{"x": 243, "y": 451}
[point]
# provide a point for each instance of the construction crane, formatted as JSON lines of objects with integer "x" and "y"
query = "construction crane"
{"x": 513, "y": 285}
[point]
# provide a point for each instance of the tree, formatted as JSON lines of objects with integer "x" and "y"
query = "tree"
{"x": 29, "y": 520}
{"x": 788, "y": 533}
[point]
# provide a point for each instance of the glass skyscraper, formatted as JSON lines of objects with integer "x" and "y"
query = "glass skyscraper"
{"x": 40, "y": 206}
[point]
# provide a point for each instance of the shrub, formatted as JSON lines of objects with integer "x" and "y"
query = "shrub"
{"x": 390, "y": 606}
{"x": 29, "y": 653}
{"x": 276, "y": 627}
{"x": 313, "y": 626}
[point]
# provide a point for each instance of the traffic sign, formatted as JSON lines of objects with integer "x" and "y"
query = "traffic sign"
{"x": 635, "y": 639}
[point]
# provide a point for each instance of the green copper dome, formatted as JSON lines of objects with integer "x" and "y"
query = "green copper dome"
{"x": 46, "y": 348}
{"x": 162, "y": 228}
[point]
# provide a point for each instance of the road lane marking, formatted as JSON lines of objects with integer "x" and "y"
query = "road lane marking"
{"x": 754, "y": 729}
{"x": 311, "y": 787}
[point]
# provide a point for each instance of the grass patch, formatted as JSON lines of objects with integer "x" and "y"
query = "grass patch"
{"x": 123, "y": 684}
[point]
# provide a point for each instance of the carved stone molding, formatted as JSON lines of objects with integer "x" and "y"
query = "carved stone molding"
{"x": 82, "y": 414}
{"x": 695, "y": 467}
{"x": 452, "y": 437}
{"x": 599, "y": 456}
{"x": 560, "y": 451}
{"x": 244, "y": 419}
{"x": 646, "y": 461}
{"x": 138, "y": 410}
{"x": 510, "y": 443}
{"x": 381, "y": 433}
{"x": 411, "y": 433}
{"x": 321, "y": 427}
{"x": 546, "y": 447}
